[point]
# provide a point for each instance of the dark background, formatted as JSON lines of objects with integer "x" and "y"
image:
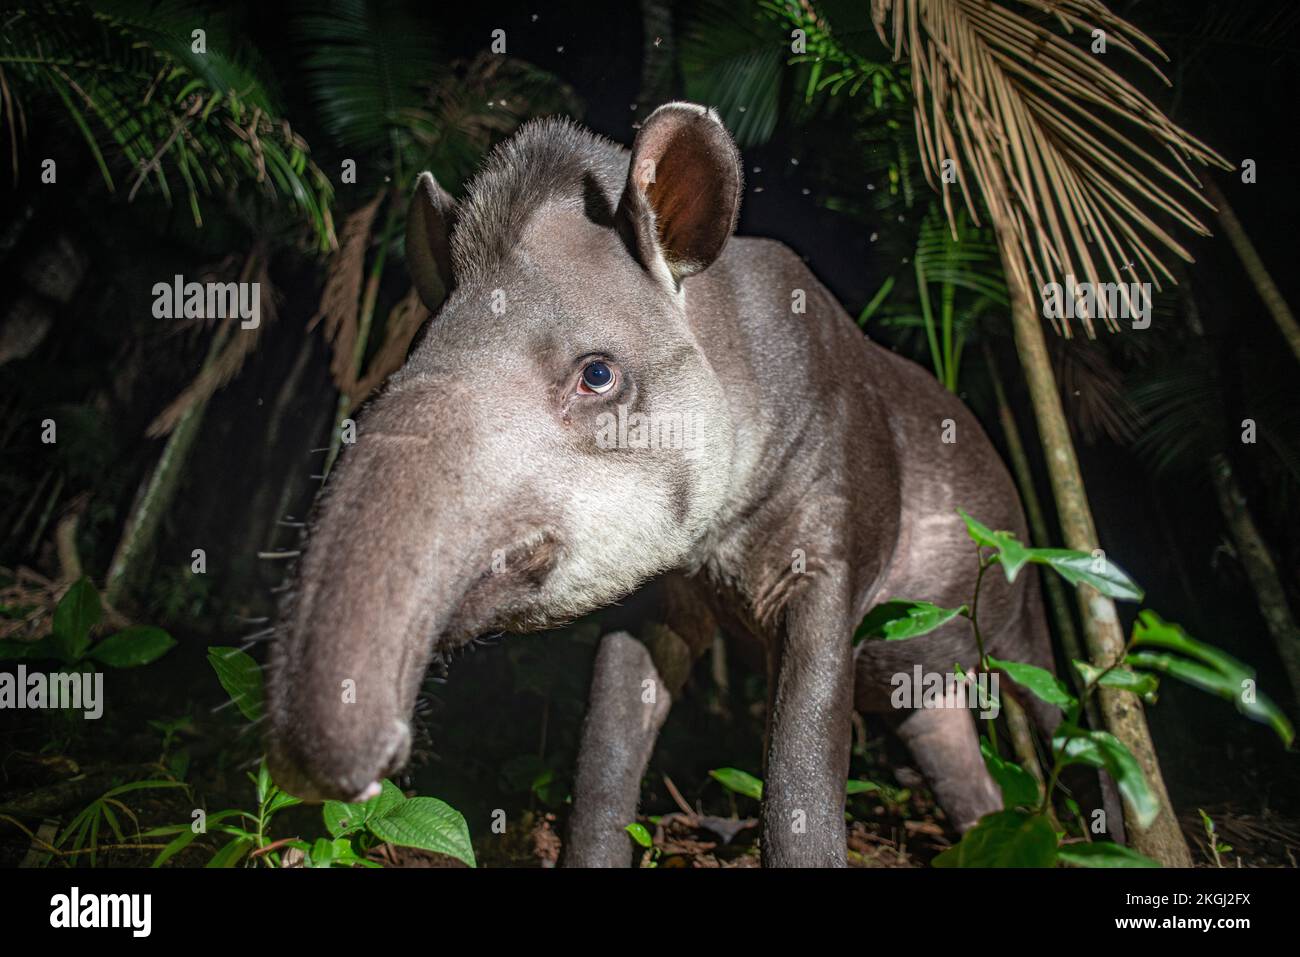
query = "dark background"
{"x": 501, "y": 732}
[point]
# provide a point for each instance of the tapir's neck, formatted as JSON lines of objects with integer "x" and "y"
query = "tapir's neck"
{"x": 804, "y": 410}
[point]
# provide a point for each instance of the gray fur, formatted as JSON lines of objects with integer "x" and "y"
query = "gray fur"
{"x": 812, "y": 441}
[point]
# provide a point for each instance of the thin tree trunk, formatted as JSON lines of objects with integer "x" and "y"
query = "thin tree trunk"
{"x": 1057, "y": 600}
{"x": 1257, "y": 562}
{"x": 1121, "y": 710}
{"x": 156, "y": 497}
{"x": 1259, "y": 275}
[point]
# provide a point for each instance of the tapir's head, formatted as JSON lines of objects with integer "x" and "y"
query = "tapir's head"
{"x": 556, "y": 438}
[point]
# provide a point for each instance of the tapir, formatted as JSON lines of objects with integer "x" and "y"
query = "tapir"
{"x": 612, "y": 390}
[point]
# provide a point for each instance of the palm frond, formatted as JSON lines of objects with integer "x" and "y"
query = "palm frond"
{"x": 732, "y": 61}
{"x": 150, "y": 110}
{"x": 1062, "y": 150}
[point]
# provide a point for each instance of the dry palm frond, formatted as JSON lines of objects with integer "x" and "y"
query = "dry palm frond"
{"x": 1094, "y": 392}
{"x": 402, "y": 325}
{"x": 1063, "y": 150}
{"x": 340, "y": 304}
{"x": 235, "y": 345}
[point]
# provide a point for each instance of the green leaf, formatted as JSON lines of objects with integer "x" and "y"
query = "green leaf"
{"x": 640, "y": 834}
{"x": 1102, "y": 854}
{"x": 1140, "y": 683}
{"x": 1012, "y": 555}
{"x": 183, "y": 840}
{"x": 342, "y": 819}
{"x": 78, "y": 611}
{"x": 12, "y": 650}
{"x": 143, "y": 785}
{"x": 241, "y": 676}
{"x": 899, "y": 619}
{"x": 860, "y": 787}
{"x": 1004, "y": 839}
{"x": 1225, "y": 676}
{"x": 232, "y": 853}
{"x": 1080, "y": 568}
{"x": 137, "y": 645}
{"x": 426, "y": 823}
{"x": 1018, "y": 785}
{"x": 1041, "y": 682}
{"x": 738, "y": 781}
{"x": 1100, "y": 749}
{"x": 1259, "y": 708}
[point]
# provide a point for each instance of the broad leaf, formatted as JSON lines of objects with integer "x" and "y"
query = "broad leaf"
{"x": 1140, "y": 683}
{"x": 130, "y": 647}
{"x": 426, "y": 823}
{"x": 1100, "y": 749}
{"x": 78, "y": 611}
{"x": 899, "y": 619}
{"x": 241, "y": 676}
{"x": 1012, "y": 555}
{"x": 342, "y": 819}
{"x": 739, "y": 781}
{"x": 1080, "y": 568}
{"x": 1102, "y": 854}
{"x": 860, "y": 787}
{"x": 1225, "y": 675}
{"x": 1041, "y": 682}
{"x": 1004, "y": 839}
{"x": 640, "y": 834}
{"x": 1018, "y": 785}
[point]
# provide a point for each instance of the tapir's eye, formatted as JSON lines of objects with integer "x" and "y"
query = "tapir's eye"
{"x": 597, "y": 377}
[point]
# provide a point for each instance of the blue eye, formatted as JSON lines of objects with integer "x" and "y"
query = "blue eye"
{"x": 598, "y": 377}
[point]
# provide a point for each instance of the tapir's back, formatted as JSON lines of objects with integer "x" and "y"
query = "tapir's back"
{"x": 906, "y": 452}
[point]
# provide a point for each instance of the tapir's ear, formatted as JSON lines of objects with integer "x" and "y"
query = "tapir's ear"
{"x": 428, "y": 240}
{"x": 683, "y": 190}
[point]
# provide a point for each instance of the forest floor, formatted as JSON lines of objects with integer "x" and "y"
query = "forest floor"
{"x": 885, "y": 832}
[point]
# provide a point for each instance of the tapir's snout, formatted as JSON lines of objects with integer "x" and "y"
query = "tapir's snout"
{"x": 318, "y": 775}
{"x": 387, "y": 562}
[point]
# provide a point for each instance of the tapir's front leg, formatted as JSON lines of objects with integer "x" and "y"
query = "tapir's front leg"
{"x": 628, "y": 706}
{"x": 809, "y": 732}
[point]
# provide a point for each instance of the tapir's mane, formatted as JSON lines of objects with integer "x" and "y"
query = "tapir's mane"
{"x": 546, "y": 161}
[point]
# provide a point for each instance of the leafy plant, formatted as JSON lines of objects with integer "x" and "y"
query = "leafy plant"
{"x": 148, "y": 103}
{"x": 1024, "y": 834}
{"x": 249, "y": 831}
{"x": 69, "y": 641}
{"x": 1217, "y": 847}
{"x": 354, "y": 829}
{"x": 85, "y": 827}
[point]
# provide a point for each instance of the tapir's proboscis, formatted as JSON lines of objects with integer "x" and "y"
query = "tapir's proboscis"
{"x": 612, "y": 390}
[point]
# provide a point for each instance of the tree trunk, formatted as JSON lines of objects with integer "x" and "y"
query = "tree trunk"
{"x": 1121, "y": 710}
{"x": 1257, "y": 561}
{"x": 1259, "y": 275}
{"x": 1057, "y": 599}
{"x": 154, "y": 499}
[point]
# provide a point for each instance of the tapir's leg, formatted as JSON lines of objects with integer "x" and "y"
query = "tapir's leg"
{"x": 629, "y": 703}
{"x": 809, "y": 733}
{"x": 944, "y": 743}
